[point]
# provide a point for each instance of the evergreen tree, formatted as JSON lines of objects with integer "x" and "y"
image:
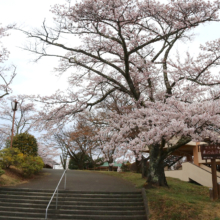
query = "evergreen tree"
{"x": 81, "y": 161}
{"x": 26, "y": 143}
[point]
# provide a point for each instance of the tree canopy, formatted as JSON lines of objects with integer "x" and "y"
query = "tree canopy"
{"x": 81, "y": 161}
{"x": 126, "y": 50}
{"x": 7, "y": 73}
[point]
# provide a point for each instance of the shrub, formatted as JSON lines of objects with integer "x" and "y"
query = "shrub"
{"x": 31, "y": 165}
{"x": 10, "y": 156}
{"x": 26, "y": 143}
{"x": 126, "y": 167}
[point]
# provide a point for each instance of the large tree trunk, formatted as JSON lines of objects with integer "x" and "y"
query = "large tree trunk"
{"x": 155, "y": 174}
{"x": 110, "y": 167}
{"x": 138, "y": 166}
{"x": 144, "y": 167}
{"x": 63, "y": 161}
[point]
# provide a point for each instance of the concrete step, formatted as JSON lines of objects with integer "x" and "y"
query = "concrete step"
{"x": 71, "y": 216}
{"x": 87, "y": 206}
{"x": 2, "y": 217}
{"x": 22, "y": 214}
{"x": 75, "y": 218}
{"x": 31, "y": 201}
{"x": 71, "y": 203}
{"x": 25, "y": 193}
{"x": 31, "y": 204}
{"x": 79, "y": 199}
{"x": 72, "y": 211}
{"x": 100, "y": 217}
{"x": 3, "y": 189}
{"x": 69, "y": 199}
{"x": 25, "y": 197}
{"x": 70, "y": 195}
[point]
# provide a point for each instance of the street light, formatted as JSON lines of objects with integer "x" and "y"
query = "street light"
{"x": 14, "y": 105}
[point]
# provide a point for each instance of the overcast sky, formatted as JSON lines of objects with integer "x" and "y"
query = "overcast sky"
{"x": 32, "y": 78}
{"x": 39, "y": 78}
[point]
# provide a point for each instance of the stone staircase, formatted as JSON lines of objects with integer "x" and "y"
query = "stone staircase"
{"x": 31, "y": 204}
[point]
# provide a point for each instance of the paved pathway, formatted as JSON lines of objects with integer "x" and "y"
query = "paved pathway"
{"x": 79, "y": 181}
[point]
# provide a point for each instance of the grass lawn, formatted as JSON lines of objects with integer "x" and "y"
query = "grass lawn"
{"x": 13, "y": 177}
{"x": 181, "y": 201}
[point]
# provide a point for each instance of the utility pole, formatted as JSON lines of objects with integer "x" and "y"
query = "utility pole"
{"x": 14, "y": 109}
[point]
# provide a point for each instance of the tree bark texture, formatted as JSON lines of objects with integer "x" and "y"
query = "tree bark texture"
{"x": 144, "y": 167}
{"x": 155, "y": 174}
{"x": 110, "y": 167}
{"x": 138, "y": 166}
{"x": 63, "y": 162}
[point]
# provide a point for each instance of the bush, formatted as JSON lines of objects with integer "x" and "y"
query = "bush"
{"x": 10, "y": 156}
{"x": 31, "y": 165}
{"x": 126, "y": 167}
{"x": 26, "y": 143}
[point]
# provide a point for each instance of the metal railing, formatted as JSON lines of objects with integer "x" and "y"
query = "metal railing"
{"x": 56, "y": 191}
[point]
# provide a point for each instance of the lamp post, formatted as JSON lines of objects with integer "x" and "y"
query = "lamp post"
{"x": 14, "y": 105}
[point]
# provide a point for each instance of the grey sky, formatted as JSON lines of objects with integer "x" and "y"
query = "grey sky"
{"x": 39, "y": 78}
{"x": 32, "y": 78}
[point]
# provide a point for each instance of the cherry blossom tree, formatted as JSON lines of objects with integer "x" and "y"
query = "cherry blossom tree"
{"x": 99, "y": 119}
{"x": 25, "y": 116}
{"x": 59, "y": 141}
{"x": 3, "y": 138}
{"x": 48, "y": 153}
{"x": 127, "y": 47}
{"x": 7, "y": 74}
{"x": 77, "y": 141}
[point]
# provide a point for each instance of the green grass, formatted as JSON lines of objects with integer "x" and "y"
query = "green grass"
{"x": 181, "y": 201}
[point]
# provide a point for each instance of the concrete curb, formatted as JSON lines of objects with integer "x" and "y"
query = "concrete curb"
{"x": 144, "y": 196}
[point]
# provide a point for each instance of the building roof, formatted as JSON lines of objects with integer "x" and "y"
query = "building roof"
{"x": 106, "y": 164}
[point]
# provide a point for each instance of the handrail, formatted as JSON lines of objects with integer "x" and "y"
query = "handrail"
{"x": 56, "y": 190}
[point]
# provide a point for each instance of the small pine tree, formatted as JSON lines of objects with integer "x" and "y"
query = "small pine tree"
{"x": 26, "y": 143}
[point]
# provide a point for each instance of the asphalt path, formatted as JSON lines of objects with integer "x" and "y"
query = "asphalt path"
{"x": 78, "y": 181}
